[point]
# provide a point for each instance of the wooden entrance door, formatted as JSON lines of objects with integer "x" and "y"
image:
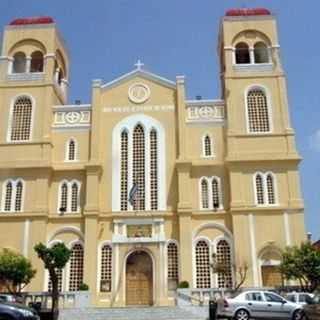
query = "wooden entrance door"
{"x": 271, "y": 276}
{"x": 139, "y": 274}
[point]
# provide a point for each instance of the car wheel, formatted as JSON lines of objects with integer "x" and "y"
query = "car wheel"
{"x": 299, "y": 315}
{"x": 242, "y": 315}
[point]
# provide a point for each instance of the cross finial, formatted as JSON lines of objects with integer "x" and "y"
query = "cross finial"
{"x": 139, "y": 64}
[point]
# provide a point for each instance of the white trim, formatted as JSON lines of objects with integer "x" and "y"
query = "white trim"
{"x": 286, "y": 224}
{"x": 12, "y": 104}
{"x": 213, "y": 225}
{"x": 69, "y": 184}
{"x": 66, "y": 229}
{"x": 253, "y": 249}
{"x": 267, "y": 93}
{"x": 210, "y": 195}
{"x": 14, "y": 183}
{"x": 129, "y": 123}
{"x": 26, "y": 236}
{"x": 67, "y": 150}
{"x": 265, "y": 189}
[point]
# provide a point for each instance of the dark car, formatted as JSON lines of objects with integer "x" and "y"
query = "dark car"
{"x": 15, "y": 311}
{"x": 312, "y": 308}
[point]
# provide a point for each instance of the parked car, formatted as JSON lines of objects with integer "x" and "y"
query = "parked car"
{"x": 6, "y": 297}
{"x": 15, "y": 311}
{"x": 299, "y": 297}
{"x": 312, "y": 309}
{"x": 259, "y": 304}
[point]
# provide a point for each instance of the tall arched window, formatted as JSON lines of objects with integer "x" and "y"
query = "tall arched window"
{"x": 154, "y": 169}
{"x": 12, "y": 196}
{"x": 223, "y": 254}
{"x": 173, "y": 265}
{"x": 106, "y": 268}
{"x": 21, "y": 119}
{"x": 203, "y": 277}
{"x": 139, "y": 167}
{"x": 19, "y": 63}
{"x": 207, "y": 147}
{"x": 242, "y": 53}
{"x": 71, "y": 150}
{"x": 69, "y": 200}
{"x": 259, "y": 189}
{"x": 215, "y": 193}
{"x": 76, "y": 267}
{"x": 258, "y": 113}
{"x": 204, "y": 194}
{"x": 74, "y": 197}
{"x": 63, "y": 197}
{"x": 270, "y": 189}
{"x": 124, "y": 171}
{"x": 261, "y": 53}
{"x": 36, "y": 62}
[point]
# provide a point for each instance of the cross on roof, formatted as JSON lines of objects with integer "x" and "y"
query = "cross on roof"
{"x": 139, "y": 65}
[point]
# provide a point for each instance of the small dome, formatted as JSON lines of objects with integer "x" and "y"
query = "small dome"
{"x": 248, "y": 12}
{"x": 31, "y": 20}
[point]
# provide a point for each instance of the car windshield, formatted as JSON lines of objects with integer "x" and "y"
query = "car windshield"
{"x": 271, "y": 297}
{"x": 254, "y": 296}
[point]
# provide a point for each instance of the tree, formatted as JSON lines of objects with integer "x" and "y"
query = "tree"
{"x": 54, "y": 258}
{"x": 302, "y": 263}
{"x": 241, "y": 273}
{"x": 16, "y": 271}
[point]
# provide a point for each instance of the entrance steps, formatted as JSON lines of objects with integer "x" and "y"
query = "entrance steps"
{"x": 138, "y": 313}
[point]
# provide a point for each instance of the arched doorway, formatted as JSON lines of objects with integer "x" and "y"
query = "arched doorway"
{"x": 139, "y": 279}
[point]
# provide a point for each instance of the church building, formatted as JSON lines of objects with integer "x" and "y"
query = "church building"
{"x": 145, "y": 186}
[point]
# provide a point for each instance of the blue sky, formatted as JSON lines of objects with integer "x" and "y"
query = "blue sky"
{"x": 174, "y": 37}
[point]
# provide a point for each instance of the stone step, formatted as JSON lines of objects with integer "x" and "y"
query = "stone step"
{"x": 143, "y": 313}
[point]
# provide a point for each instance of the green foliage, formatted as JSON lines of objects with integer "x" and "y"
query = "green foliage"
{"x": 15, "y": 270}
{"x": 183, "y": 285}
{"x": 303, "y": 264}
{"x": 83, "y": 287}
{"x": 56, "y": 256}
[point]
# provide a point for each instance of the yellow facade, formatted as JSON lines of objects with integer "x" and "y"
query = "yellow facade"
{"x": 212, "y": 175}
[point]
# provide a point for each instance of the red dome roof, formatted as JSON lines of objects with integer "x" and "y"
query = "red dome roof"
{"x": 248, "y": 12}
{"x": 32, "y": 20}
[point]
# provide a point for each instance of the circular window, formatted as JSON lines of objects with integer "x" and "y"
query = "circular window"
{"x": 139, "y": 93}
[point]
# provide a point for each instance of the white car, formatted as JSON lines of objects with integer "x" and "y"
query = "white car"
{"x": 259, "y": 304}
{"x": 299, "y": 297}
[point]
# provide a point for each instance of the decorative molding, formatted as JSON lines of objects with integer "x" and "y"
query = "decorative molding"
{"x": 72, "y": 117}
{"x": 206, "y": 111}
{"x": 34, "y": 76}
{"x": 145, "y": 108}
{"x": 139, "y": 93}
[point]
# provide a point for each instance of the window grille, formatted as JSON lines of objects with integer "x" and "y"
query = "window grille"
{"x": 259, "y": 189}
{"x": 215, "y": 193}
{"x": 60, "y": 277}
{"x": 258, "y": 114}
{"x": 139, "y": 166}
{"x": 207, "y": 146}
{"x": 18, "y": 199}
{"x": 154, "y": 169}
{"x": 74, "y": 197}
{"x": 8, "y": 197}
{"x": 173, "y": 262}
{"x": 21, "y": 120}
{"x": 124, "y": 171}
{"x": 106, "y": 266}
{"x": 204, "y": 194}
{"x": 203, "y": 278}
{"x": 270, "y": 189}
{"x": 71, "y": 150}
{"x": 224, "y": 259}
{"x": 64, "y": 197}
{"x": 76, "y": 267}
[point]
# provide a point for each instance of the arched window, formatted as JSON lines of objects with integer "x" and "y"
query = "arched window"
{"x": 21, "y": 119}
{"x": 124, "y": 171}
{"x": 203, "y": 277}
{"x": 106, "y": 268}
{"x": 204, "y": 194}
{"x": 207, "y": 147}
{"x": 259, "y": 189}
{"x": 261, "y": 53}
{"x": 242, "y": 53}
{"x": 13, "y": 196}
{"x": 19, "y": 63}
{"x": 63, "y": 207}
{"x": 215, "y": 193}
{"x": 258, "y": 113}
{"x": 173, "y": 266}
{"x": 139, "y": 166}
{"x": 60, "y": 280}
{"x": 223, "y": 256}
{"x": 8, "y": 196}
{"x": 154, "y": 169}
{"x": 270, "y": 189}
{"x": 76, "y": 267}
{"x": 71, "y": 150}
{"x": 36, "y": 62}
{"x": 74, "y": 197}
